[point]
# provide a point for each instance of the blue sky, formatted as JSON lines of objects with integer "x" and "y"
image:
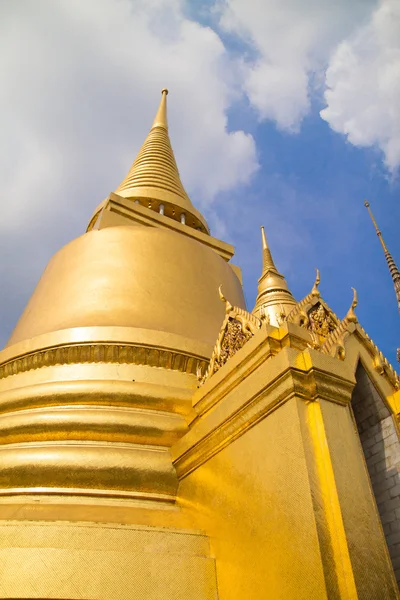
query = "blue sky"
{"x": 247, "y": 82}
{"x": 309, "y": 194}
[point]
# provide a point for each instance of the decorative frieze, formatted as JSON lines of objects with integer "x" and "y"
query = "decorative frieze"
{"x": 103, "y": 353}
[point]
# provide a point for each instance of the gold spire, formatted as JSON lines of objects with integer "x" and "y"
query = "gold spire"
{"x": 315, "y": 291}
{"x": 154, "y": 179}
{"x": 161, "y": 116}
{"x": 274, "y": 300}
{"x": 268, "y": 262}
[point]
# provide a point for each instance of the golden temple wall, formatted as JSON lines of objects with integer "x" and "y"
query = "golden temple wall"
{"x": 253, "y": 499}
{"x": 272, "y": 469}
{"x": 115, "y": 486}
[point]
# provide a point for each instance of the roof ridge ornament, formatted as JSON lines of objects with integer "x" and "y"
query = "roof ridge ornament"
{"x": 315, "y": 291}
{"x": 351, "y": 316}
{"x": 228, "y": 305}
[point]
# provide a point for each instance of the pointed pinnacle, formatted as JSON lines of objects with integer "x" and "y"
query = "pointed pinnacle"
{"x": 161, "y": 116}
{"x": 268, "y": 263}
{"x": 394, "y": 271}
{"x": 378, "y": 231}
{"x": 274, "y": 297}
{"x": 228, "y": 305}
{"x": 351, "y": 315}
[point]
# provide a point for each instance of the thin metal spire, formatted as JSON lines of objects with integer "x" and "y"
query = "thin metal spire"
{"x": 378, "y": 231}
{"x": 394, "y": 271}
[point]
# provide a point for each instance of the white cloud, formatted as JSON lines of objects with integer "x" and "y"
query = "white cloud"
{"x": 363, "y": 80}
{"x": 292, "y": 40}
{"x": 81, "y": 83}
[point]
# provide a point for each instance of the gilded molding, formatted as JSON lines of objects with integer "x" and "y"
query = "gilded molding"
{"x": 103, "y": 353}
{"x": 298, "y": 314}
{"x": 60, "y": 492}
{"x": 308, "y": 386}
{"x": 86, "y": 465}
{"x": 133, "y": 213}
{"x": 217, "y": 388}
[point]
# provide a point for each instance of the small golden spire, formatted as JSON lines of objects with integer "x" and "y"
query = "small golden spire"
{"x": 378, "y": 231}
{"x": 268, "y": 262}
{"x": 154, "y": 180}
{"x": 161, "y": 116}
{"x": 274, "y": 299}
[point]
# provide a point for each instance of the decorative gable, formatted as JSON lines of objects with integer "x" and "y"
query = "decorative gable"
{"x": 237, "y": 329}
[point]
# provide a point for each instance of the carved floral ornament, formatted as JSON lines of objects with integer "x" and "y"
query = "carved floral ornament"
{"x": 313, "y": 314}
{"x": 320, "y": 320}
{"x": 327, "y": 332}
{"x": 238, "y": 328}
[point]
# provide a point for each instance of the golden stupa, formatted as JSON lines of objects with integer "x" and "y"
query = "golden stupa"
{"x": 159, "y": 441}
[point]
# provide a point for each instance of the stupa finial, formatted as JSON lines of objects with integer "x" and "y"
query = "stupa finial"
{"x": 161, "y": 116}
{"x": 274, "y": 298}
{"x": 154, "y": 180}
{"x": 268, "y": 262}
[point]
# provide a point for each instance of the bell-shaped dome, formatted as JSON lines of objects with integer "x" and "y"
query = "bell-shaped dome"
{"x": 141, "y": 277}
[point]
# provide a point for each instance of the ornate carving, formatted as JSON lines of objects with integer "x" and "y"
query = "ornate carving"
{"x": 301, "y": 313}
{"x": 238, "y": 327}
{"x": 321, "y": 321}
{"x": 103, "y": 353}
{"x": 234, "y": 339}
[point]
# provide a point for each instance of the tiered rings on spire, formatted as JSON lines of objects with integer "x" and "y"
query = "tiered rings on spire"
{"x": 274, "y": 300}
{"x": 154, "y": 179}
